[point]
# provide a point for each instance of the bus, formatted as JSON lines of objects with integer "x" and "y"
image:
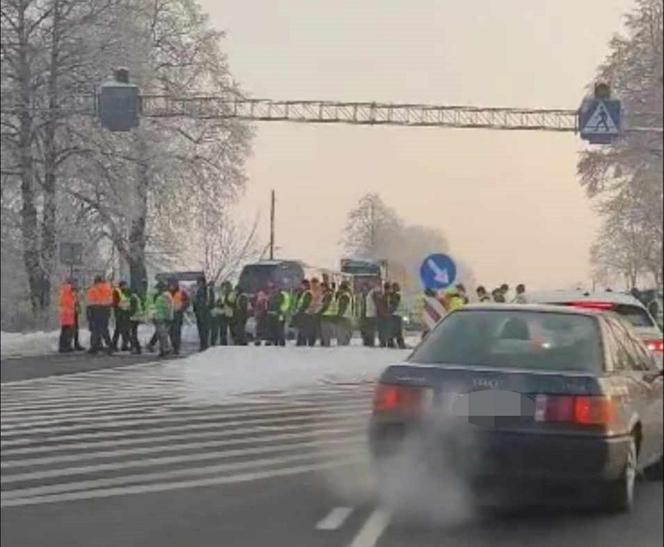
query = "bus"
{"x": 363, "y": 273}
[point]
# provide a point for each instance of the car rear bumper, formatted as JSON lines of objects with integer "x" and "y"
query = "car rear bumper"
{"x": 484, "y": 456}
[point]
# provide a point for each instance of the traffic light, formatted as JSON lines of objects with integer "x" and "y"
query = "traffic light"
{"x": 118, "y": 103}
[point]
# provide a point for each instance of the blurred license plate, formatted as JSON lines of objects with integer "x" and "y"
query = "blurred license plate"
{"x": 489, "y": 402}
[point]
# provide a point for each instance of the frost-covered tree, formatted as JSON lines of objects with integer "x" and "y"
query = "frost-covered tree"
{"x": 370, "y": 228}
{"x": 375, "y": 231}
{"x": 139, "y": 193}
{"x": 625, "y": 178}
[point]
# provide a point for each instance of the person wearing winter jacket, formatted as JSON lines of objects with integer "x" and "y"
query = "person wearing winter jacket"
{"x": 163, "y": 317}
{"x": 136, "y": 317}
{"x": 66, "y": 316}
{"x": 396, "y": 321}
{"x": 344, "y": 314}
{"x": 302, "y": 320}
{"x": 240, "y": 315}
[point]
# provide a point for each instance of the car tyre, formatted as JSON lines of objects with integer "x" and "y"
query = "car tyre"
{"x": 620, "y": 492}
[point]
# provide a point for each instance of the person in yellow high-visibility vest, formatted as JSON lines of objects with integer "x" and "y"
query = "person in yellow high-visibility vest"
{"x": 453, "y": 299}
{"x": 344, "y": 314}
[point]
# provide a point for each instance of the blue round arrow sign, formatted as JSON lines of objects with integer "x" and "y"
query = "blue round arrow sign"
{"x": 437, "y": 271}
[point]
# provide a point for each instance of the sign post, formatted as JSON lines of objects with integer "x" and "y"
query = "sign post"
{"x": 71, "y": 254}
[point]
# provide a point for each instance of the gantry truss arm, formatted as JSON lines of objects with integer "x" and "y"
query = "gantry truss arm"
{"x": 357, "y": 113}
{"x": 360, "y": 113}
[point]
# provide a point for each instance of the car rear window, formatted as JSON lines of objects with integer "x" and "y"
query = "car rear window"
{"x": 514, "y": 339}
{"x": 635, "y": 315}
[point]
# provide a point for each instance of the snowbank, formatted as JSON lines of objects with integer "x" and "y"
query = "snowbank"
{"x": 222, "y": 372}
{"x": 25, "y": 344}
{"x": 30, "y": 344}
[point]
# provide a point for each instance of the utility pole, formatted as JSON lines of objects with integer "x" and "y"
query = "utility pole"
{"x": 272, "y": 204}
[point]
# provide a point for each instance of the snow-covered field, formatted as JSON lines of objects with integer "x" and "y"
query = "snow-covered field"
{"x": 222, "y": 372}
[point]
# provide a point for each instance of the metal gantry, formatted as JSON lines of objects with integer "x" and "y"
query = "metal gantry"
{"x": 356, "y": 113}
{"x": 359, "y": 113}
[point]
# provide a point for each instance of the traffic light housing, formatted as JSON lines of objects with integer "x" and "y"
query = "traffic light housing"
{"x": 118, "y": 103}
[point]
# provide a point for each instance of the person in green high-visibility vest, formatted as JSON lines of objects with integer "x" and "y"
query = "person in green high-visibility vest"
{"x": 328, "y": 316}
{"x": 136, "y": 317}
{"x": 278, "y": 306}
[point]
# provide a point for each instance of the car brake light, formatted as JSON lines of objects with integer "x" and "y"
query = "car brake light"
{"x": 580, "y": 410}
{"x": 391, "y": 398}
{"x": 655, "y": 345}
{"x": 592, "y": 305}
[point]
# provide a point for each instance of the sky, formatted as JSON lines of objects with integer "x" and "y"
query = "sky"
{"x": 509, "y": 203}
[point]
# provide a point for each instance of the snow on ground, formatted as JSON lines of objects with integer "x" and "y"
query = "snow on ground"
{"x": 230, "y": 371}
{"x": 30, "y": 344}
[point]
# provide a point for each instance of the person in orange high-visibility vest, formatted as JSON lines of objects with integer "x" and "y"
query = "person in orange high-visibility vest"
{"x": 66, "y": 316}
{"x": 100, "y": 300}
{"x": 180, "y": 305}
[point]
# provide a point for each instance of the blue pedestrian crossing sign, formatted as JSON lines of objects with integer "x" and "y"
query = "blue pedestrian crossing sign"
{"x": 438, "y": 271}
{"x": 599, "y": 120}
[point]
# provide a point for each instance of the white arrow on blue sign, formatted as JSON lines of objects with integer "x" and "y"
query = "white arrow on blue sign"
{"x": 437, "y": 271}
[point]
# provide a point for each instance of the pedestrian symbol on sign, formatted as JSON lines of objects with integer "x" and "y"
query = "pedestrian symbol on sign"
{"x": 600, "y": 121}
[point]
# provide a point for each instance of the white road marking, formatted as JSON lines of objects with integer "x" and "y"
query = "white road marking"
{"x": 313, "y": 428}
{"x": 190, "y": 472}
{"x": 173, "y": 416}
{"x": 124, "y": 406}
{"x": 148, "y": 488}
{"x": 177, "y": 447}
{"x": 335, "y": 518}
{"x": 373, "y": 528}
{"x": 144, "y": 433}
{"x": 351, "y": 441}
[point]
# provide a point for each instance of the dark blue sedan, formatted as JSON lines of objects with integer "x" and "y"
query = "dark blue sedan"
{"x": 528, "y": 403}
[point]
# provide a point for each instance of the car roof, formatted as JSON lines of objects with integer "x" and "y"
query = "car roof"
{"x": 535, "y": 308}
{"x": 552, "y": 297}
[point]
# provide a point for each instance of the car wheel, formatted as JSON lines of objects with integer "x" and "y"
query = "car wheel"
{"x": 655, "y": 471}
{"x": 620, "y": 494}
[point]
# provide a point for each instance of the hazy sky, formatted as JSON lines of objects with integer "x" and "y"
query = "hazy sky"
{"x": 508, "y": 202}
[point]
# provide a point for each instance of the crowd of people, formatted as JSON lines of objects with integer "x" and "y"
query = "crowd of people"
{"x": 318, "y": 312}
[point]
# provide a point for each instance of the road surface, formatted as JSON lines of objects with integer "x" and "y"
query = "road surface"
{"x": 139, "y": 455}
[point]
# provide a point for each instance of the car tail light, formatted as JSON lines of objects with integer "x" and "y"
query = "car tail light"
{"x": 392, "y": 398}
{"x": 588, "y": 305}
{"x": 575, "y": 409}
{"x": 655, "y": 345}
